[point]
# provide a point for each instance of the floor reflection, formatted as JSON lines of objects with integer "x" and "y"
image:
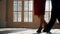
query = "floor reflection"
{"x": 24, "y": 31}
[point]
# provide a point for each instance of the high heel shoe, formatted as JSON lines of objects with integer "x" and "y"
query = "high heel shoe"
{"x": 39, "y": 30}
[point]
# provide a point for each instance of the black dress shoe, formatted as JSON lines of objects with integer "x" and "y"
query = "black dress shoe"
{"x": 38, "y": 31}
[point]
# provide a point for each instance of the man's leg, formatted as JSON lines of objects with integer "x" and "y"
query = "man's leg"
{"x": 50, "y": 24}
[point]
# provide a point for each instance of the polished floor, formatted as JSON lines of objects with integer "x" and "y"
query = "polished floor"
{"x": 24, "y": 31}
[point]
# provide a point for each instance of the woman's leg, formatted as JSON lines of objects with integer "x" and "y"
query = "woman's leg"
{"x": 42, "y": 23}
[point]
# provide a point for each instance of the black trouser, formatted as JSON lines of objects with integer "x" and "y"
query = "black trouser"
{"x": 55, "y": 14}
{"x": 52, "y": 21}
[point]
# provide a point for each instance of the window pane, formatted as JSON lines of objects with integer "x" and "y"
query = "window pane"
{"x": 15, "y": 1}
{"x": 48, "y": 5}
{"x": 31, "y": 5}
{"x": 19, "y": 5}
{"x": 30, "y": 16}
{"x": 48, "y": 10}
{"x": 14, "y": 16}
{"x": 26, "y": 5}
{"x": 25, "y": 16}
{"x": 15, "y": 6}
{"x": 47, "y": 14}
{"x": 19, "y": 16}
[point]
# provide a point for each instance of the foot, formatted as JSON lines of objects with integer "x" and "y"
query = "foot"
{"x": 39, "y": 30}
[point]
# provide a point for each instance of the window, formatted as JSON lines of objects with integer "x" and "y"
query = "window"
{"x": 48, "y": 10}
{"x": 28, "y": 11}
{"x": 17, "y": 11}
{"x": 23, "y": 8}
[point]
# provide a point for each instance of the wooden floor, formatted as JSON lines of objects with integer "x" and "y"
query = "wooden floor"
{"x": 24, "y": 31}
